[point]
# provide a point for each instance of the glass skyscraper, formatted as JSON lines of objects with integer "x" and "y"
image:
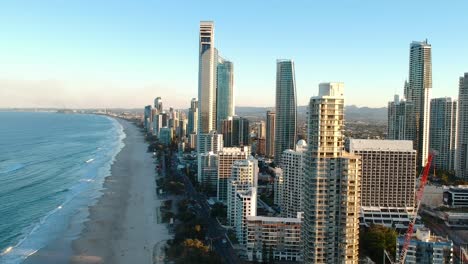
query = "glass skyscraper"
{"x": 462, "y": 130}
{"x": 207, "y": 79}
{"x": 418, "y": 92}
{"x": 286, "y": 108}
{"x": 224, "y": 90}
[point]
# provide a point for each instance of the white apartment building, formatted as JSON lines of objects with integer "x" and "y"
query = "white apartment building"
{"x": 244, "y": 175}
{"x": 279, "y": 237}
{"x": 206, "y": 143}
{"x": 226, "y": 158}
{"x": 332, "y": 183}
{"x": 246, "y": 205}
{"x": 293, "y": 180}
{"x": 278, "y": 186}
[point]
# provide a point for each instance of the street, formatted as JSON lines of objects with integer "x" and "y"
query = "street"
{"x": 216, "y": 233}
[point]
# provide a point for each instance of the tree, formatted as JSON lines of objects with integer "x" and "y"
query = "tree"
{"x": 218, "y": 210}
{"x": 375, "y": 240}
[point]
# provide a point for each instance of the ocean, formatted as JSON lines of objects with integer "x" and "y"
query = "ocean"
{"x": 52, "y": 167}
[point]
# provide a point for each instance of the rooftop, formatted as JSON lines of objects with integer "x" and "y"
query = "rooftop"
{"x": 274, "y": 219}
{"x": 377, "y": 144}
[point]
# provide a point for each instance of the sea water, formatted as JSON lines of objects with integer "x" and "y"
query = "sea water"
{"x": 52, "y": 166}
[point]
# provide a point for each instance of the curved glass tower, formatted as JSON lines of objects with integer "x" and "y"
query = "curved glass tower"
{"x": 286, "y": 110}
{"x": 224, "y": 90}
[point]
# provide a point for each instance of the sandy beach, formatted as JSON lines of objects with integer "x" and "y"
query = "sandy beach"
{"x": 122, "y": 225}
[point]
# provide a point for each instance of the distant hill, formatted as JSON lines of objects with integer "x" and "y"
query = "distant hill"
{"x": 352, "y": 112}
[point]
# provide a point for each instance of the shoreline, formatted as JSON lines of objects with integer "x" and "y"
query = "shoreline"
{"x": 121, "y": 225}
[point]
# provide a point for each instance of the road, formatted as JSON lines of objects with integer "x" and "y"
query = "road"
{"x": 216, "y": 232}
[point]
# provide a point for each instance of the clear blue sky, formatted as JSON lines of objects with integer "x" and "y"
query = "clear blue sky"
{"x": 124, "y": 53}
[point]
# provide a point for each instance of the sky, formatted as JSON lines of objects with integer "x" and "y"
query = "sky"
{"x": 87, "y": 53}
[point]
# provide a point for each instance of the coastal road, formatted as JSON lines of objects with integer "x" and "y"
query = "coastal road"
{"x": 216, "y": 232}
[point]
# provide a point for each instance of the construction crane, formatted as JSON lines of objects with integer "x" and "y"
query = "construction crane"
{"x": 419, "y": 194}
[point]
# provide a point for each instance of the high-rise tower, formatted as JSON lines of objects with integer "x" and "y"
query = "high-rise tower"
{"x": 418, "y": 91}
{"x": 286, "y": 108}
{"x": 293, "y": 180}
{"x": 207, "y": 79}
{"x": 158, "y": 105}
{"x": 462, "y": 145}
{"x": 192, "y": 117}
{"x": 443, "y": 132}
{"x": 332, "y": 188}
{"x": 270, "y": 134}
{"x": 224, "y": 89}
{"x": 401, "y": 124}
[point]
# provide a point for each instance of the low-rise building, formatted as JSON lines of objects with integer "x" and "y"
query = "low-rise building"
{"x": 425, "y": 248}
{"x": 456, "y": 196}
{"x": 279, "y": 237}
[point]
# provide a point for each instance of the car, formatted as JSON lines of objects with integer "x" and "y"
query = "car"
{"x": 224, "y": 241}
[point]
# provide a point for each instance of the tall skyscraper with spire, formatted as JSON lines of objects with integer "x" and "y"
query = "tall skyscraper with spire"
{"x": 418, "y": 91}
{"x": 331, "y": 193}
{"x": 286, "y": 108}
{"x": 225, "y": 90}
{"x": 207, "y": 78}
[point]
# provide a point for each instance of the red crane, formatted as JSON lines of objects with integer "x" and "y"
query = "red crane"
{"x": 419, "y": 194}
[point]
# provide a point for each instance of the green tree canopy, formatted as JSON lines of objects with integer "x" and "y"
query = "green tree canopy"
{"x": 375, "y": 239}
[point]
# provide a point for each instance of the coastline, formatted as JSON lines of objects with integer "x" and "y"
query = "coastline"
{"x": 121, "y": 226}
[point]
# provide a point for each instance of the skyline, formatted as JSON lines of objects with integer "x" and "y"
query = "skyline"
{"x": 99, "y": 55}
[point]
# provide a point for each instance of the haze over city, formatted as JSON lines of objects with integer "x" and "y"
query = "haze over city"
{"x": 86, "y": 54}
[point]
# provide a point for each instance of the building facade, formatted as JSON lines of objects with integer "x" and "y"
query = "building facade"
{"x": 147, "y": 119}
{"x": 462, "y": 131}
{"x": 286, "y": 108}
{"x": 443, "y": 132}
{"x": 274, "y": 237}
{"x": 225, "y": 90}
{"x": 158, "y": 105}
{"x": 244, "y": 175}
{"x": 166, "y": 135}
{"x": 425, "y": 248}
{"x": 418, "y": 92}
{"x": 157, "y": 124}
{"x": 245, "y": 206}
{"x": 270, "y": 134}
{"x": 226, "y": 159}
{"x": 205, "y": 143}
{"x": 192, "y": 122}
{"x": 401, "y": 121}
{"x": 293, "y": 180}
{"x": 209, "y": 171}
{"x": 207, "y": 78}
{"x": 332, "y": 183}
{"x": 388, "y": 180}
{"x": 236, "y": 131}
{"x": 456, "y": 196}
